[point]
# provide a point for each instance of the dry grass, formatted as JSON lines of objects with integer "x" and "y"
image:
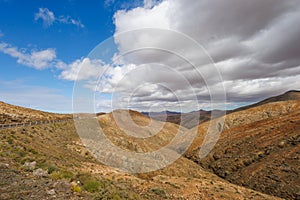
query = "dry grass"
{"x": 58, "y": 149}
{"x": 259, "y": 148}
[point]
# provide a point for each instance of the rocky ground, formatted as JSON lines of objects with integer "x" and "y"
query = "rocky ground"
{"x": 10, "y": 114}
{"x": 50, "y": 162}
{"x": 259, "y": 148}
{"x": 257, "y": 153}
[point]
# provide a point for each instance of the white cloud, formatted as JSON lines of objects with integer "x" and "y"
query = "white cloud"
{"x": 36, "y": 59}
{"x": 157, "y": 17}
{"x": 49, "y": 18}
{"x": 82, "y": 69}
{"x": 46, "y": 16}
{"x": 150, "y": 3}
{"x": 255, "y": 45}
{"x": 69, "y": 20}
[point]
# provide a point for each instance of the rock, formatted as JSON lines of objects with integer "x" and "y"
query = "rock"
{"x": 51, "y": 192}
{"x": 260, "y": 154}
{"x": 30, "y": 165}
{"x": 4, "y": 165}
{"x": 4, "y": 196}
{"x": 281, "y": 144}
{"x": 62, "y": 186}
{"x": 216, "y": 156}
{"x": 40, "y": 172}
{"x": 73, "y": 184}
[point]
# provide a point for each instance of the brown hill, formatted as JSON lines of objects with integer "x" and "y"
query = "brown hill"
{"x": 287, "y": 96}
{"x": 142, "y": 135}
{"x": 50, "y": 162}
{"x": 10, "y": 114}
{"x": 192, "y": 119}
{"x": 258, "y": 148}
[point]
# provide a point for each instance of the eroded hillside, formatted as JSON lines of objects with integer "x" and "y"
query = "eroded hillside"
{"x": 10, "y": 114}
{"x": 259, "y": 148}
{"x": 50, "y": 162}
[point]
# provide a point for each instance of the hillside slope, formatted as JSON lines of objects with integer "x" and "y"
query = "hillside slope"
{"x": 258, "y": 148}
{"x": 10, "y": 114}
{"x": 50, "y": 162}
{"x": 287, "y": 96}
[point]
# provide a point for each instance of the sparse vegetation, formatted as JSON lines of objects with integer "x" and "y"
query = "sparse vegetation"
{"x": 61, "y": 175}
{"x": 91, "y": 186}
{"x": 74, "y": 175}
{"x": 159, "y": 192}
{"x": 173, "y": 185}
{"x": 76, "y": 189}
{"x": 253, "y": 138}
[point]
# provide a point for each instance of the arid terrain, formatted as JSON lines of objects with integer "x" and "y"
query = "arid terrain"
{"x": 259, "y": 147}
{"x": 10, "y": 114}
{"x": 256, "y": 157}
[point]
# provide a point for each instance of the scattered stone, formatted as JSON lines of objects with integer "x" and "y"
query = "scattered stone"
{"x": 62, "y": 186}
{"x": 51, "y": 192}
{"x": 260, "y": 154}
{"x": 73, "y": 184}
{"x": 281, "y": 144}
{"x": 30, "y": 165}
{"x": 4, "y": 196}
{"x": 4, "y": 165}
{"x": 40, "y": 172}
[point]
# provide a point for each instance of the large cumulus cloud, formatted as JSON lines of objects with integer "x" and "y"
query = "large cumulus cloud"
{"x": 254, "y": 44}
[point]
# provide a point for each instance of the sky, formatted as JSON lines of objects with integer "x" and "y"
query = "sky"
{"x": 147, "y": 55}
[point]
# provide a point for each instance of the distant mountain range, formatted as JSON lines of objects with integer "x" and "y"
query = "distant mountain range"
{"x": 192, "y": 119}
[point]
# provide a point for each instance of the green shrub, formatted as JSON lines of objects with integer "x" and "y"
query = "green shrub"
{"x": 52, "y": 168}
{"x": 76, "y": 189}
{"x": 33, "y": 151}
{"x": 56, "y": 175}
{"x": 159, "y": 192}
{"x": 91, "y": 186}
{"x": 173, "y": 185}
{"x": 61, "y": 175}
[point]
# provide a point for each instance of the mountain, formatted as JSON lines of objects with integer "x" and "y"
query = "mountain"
{"x": 187, "y": 120}
{"x": 258, "y": 147}
{"x": 49, "y": 161}
{"x": 160, "y": 113}
{"x": 194, "y": 118}
{"x": 287, "y": 96}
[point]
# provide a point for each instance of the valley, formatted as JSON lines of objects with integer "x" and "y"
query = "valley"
{"x": 256, "y": 157}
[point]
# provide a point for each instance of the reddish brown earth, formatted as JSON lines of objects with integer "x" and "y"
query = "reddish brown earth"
{"x": 70, "y": 171}
{"x": 259, "y": 149}
{"x": 10, "y": 114}
{"x": 287, "y": 96}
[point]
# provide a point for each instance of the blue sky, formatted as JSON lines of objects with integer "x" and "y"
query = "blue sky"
{"x": 20, "y": 29}
{"x": 249, "y": 51}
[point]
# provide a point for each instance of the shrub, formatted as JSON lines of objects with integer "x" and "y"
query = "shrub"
{"x": 173, "y": 185}
{"x": 76, "y": 189}
{"x": 159, "y": 192}
{"x": 61, "y": 175}
{"x": 91, "y": 186}
{"x": 52, "y": 168}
